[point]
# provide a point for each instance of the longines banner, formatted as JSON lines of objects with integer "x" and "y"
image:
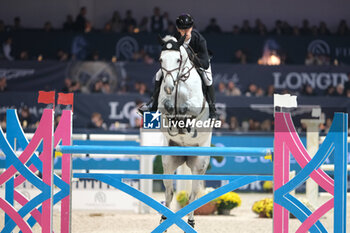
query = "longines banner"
{"x": 116, "y": 109}
{"x": 33, "y": 76}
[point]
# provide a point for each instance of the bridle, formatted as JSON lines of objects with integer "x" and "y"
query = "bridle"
{"x": 184, "y": 75}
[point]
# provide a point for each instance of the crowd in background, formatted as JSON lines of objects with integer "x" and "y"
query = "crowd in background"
{"x": 160, "y": 22}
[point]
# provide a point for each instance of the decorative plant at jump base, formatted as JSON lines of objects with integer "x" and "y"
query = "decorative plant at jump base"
{"x": 227, "y": 202}
{"x": 209, "y": 208}
{"x": 264, "y": 208}
{"x": 268, "y": 186}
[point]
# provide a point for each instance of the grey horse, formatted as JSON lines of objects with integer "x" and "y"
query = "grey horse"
{"x": 181, "y": 99}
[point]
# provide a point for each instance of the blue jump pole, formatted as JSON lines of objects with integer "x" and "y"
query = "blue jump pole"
{"x": 174, "y": 150}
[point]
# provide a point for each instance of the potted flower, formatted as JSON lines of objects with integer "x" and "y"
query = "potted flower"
{"x": 264, "y": 208}
{"x": 227, "y": 202}
{"x": 182, "y": 199}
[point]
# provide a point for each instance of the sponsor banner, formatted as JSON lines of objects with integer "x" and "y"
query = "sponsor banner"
{"x": 50, "y": 75}
{"x": 117, "y": 109}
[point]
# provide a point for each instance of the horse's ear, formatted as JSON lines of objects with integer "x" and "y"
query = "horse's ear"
{"x": 161, "y": 41}
{"x": 182, "y": 40}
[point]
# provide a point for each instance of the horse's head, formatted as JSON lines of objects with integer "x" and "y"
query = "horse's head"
{"x": 171, "y": 61}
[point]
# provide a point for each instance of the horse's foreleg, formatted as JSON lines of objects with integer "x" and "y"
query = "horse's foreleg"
{"x": 196, "y": 187}
{"x": 170, "y": 164}
{"x": 198, "y": 166}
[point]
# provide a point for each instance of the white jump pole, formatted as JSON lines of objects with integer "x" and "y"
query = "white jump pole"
{"x": 312, "y": 144}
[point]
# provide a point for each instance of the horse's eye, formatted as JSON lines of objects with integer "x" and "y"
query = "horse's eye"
{"x": 160, "y": 60}
{"x": 178, "y": 60}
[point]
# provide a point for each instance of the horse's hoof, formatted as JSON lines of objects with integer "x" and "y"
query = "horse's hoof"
{"x": 191, "y": 223}
{"x": 162, "y": 219}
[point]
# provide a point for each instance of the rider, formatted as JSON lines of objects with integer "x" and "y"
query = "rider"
{"x": 196, "y": 47}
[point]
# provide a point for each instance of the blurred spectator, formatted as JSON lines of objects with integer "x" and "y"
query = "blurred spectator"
{"x": 107, "y": 28}
{"x": 166, "y": 21}
{"x": 322, "y": 60}
{"x": 260, "y": 28}
{"x": 222, "y": 88}
{"x": 314, "y": 30}
{"x": 62, "y": 55}
{"x": 305, "y": 29}
{"x": 17, "y": 24}
{"x": 232, "y": 90}
{"x": 327, "y": 126}
{"x": 260, "y": 92}
{"x": 240, "y": 57}
{"x": 7, "y": 49}
{"x": 339, "y": 90}
{"x": 75, "y": 87}
{"x": 47, "y": 26}
{"x": 270, "y": 91}
{"x": 25, "y": 118}
{"x": 266, "y": 125}
{"x": 3, "y": 84}
{"x": 2, "y": 26}
{"x": 129, "y": 22}
{"x": 24, "y": 56}
{"x": 95, "y": 56}
{"x": 80, "y": 21}
{"x": 88, "y": 27}
{"x": 286, "y": 28}
{"x": 246, "y": 29}
{"x": 97, "y": 88}
{"x": 213, "y": 27}
{"x": 143, "y": 89}
{"x": 224, "y": 124}
{"x": 156, "y": 22}
{"x": 330, "y": 91}
{"x": 67, "y": 85}
{"x": 308, "y": 90}
{"x": 296, "y": 31}
{"x": 252, "y": 89}
{"x": 235, "y": 30}
{"x": 323, "y": 29}
{"x": 253, "y": 125}
{"x": 106, "y": 87}
{"x": 96, "y": 122}
{"x": 68, "y": 25}
{"x": 171, "y": 29}
{"x": 57, "y": 120}
{"x": 142, "y": 56}
{"x": 278, "y": 28}
{"x": 143, "y": 26}
{"x": 343, "y": 28}
{"x": 310, "y": 59}
{"x": 116, "y": 22}
{"x": 135, "y": 119}
{"x": 347, "y": 83}
{"x": 347, "y": 93}
{"x": 234, "y": 124}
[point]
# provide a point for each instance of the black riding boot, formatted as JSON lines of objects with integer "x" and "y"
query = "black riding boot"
{"x": 210, "y": 96}
{"x": 152, "y": 105}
